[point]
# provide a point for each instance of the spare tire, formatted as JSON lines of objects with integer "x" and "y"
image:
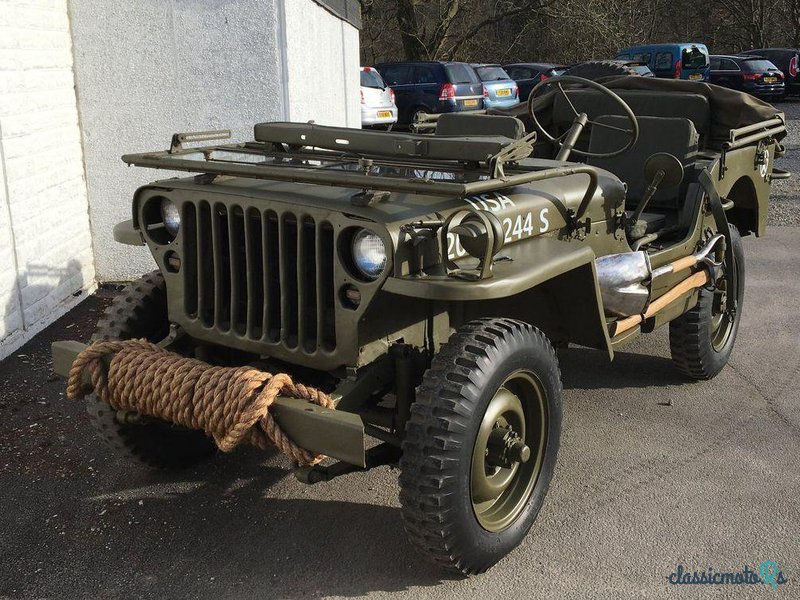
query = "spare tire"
{"x": 596, "y": 69}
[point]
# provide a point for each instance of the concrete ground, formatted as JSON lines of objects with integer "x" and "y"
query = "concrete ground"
{"x": 653, "y": 472}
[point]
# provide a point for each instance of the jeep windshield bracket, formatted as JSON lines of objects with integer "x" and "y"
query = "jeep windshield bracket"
{"x": 512, "y": 154}
{"x": 179, "y": 139}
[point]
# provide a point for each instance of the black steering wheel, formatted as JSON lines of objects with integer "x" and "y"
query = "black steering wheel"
{"x": 566, "y": 142}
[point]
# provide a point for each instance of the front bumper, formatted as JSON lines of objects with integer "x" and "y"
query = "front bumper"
{"x": 337, "y": 434}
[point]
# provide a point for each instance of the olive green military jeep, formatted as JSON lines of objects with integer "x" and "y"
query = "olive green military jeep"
{"x": 424, "y": 281}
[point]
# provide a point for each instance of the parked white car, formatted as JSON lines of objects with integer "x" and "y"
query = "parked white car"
{"x": 377, "y": 100}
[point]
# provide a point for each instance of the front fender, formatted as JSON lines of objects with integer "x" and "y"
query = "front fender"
{"x": 562, "y": 270}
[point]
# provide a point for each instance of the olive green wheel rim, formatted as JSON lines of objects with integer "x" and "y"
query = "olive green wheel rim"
{"x": 501, "y": 483}
{"x": 722, "y": 321}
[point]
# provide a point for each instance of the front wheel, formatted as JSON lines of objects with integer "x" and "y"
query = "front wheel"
{"x": 481, "y": 444}
{"x": 701, "y": 340}
{"x": 140, "y": 311}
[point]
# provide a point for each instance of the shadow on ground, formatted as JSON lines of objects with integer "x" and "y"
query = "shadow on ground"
{"x": 586, "y": 369}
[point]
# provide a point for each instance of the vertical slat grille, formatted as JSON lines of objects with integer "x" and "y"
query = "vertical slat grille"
{"x": 265, "y": 275}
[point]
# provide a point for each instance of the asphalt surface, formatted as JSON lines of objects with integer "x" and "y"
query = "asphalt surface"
{"x": 785, "y": 198}
{"x": 653, "y": 472}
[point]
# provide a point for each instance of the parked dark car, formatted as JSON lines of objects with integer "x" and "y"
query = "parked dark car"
{"x": 752, "y": 74}
{"x": 788, "y": 61}
{"x": 432, "y": 87}
{"x": 527, "y": 75}
{"x": 671, "y": 61}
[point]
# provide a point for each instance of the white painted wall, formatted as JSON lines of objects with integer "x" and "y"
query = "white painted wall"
{"x": 84, "y": 81}
{"x": 322, "y": 55}
{"x": 150, "y": 68}
{"x": 46, "y": 261}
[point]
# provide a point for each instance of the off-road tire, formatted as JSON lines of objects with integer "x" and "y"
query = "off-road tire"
{"x": 691, "y": 334}
{"x": 596, "y": 69}
{"x": 435, "y": 484}
{"x": 140, "y": 311}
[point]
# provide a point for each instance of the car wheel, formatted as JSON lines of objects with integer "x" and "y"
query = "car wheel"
{"x": 481, "y": 444}
{"x": 701, "y": 340}
{"x": 140, "y": 311}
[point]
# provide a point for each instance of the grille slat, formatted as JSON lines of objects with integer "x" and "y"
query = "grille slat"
{"x": 190, "y": 275}
{"x": 237, "y": 266}
{"x": 205, "y": 270}
{"x": 326, "y": 331}
{"x": 307, "y": 283}
{"x": 219, "y": 243}
{"x": 254, "y": 274}
{"x": 272, "y": 310}
{"x": 266, "y": 275}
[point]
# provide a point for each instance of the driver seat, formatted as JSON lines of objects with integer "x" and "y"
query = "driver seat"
{"x": 675, "y": 135}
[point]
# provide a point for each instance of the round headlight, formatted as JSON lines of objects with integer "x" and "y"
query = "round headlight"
{"x": 369, "y": 253}
{"x": 171, "y": 216}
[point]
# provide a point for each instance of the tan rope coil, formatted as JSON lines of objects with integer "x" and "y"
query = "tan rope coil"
{"x": 231, "y": 404}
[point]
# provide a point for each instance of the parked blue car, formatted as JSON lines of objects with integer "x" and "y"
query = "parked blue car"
{"x": 500, "y": 90}
{"x": 671, "y": 61}
{"x": 432, "y": 87}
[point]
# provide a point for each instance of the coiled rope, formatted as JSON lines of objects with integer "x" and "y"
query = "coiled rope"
{"x": 230, "y": 404}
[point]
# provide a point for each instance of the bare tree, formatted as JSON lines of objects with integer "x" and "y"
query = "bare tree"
{"x": 567, "y": 30}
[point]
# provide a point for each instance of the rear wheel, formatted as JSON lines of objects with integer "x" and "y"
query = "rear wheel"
{"x": 481, "y": 444}
{"x": 140, "y": 311}
{"x": 701, "y": 340}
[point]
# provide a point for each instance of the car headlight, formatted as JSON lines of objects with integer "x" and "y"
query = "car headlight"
{"x": 369, "y": 253}
{"x": 171, "y": 216}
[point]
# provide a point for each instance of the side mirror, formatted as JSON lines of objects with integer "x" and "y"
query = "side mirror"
{"x": 668, "y": 165}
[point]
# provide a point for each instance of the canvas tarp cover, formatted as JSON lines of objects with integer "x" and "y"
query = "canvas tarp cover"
{"x": 729, "y": 109}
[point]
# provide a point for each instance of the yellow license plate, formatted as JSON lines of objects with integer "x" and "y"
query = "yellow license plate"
{"x": 695, "y": 76}
{"x": 471, "y": 102}
{"x": 770, "y": 79}
{"x": 384, "y": 114}
{"x": 505, "y": 92}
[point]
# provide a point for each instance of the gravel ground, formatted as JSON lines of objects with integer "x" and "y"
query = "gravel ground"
{"x": 785, "y": 198}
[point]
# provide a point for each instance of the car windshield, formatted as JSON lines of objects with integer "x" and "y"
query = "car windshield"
{"x": 492, "y": 73}
{"x": 372, "y": 79}
{"x": 458, "y": 73}
{"x": 759, "y": 65}
{"x": 694, "y": 58}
